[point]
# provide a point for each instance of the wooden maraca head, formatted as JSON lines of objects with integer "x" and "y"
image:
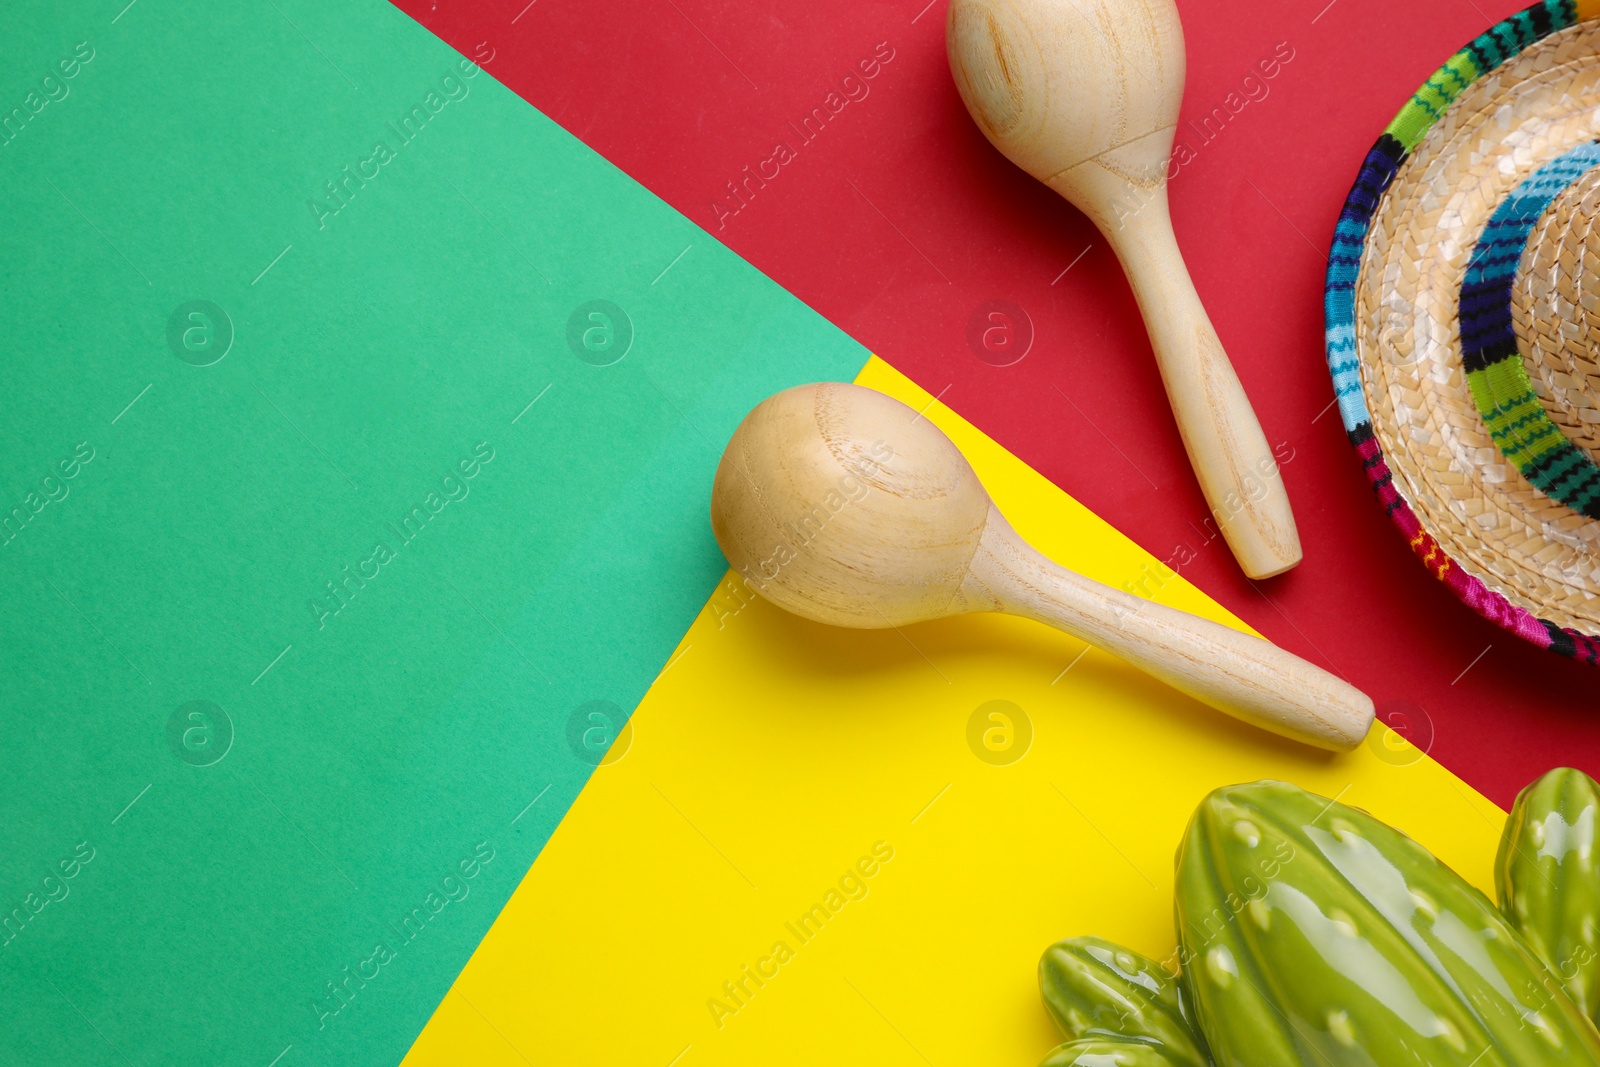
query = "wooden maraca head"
{"x": 1056, "y": 83}
{"x": 841, "y": 504}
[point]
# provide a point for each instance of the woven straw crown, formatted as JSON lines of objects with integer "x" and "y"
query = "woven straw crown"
{"x": 1463, "y": 335}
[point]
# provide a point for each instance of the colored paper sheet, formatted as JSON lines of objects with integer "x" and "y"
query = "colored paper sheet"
{"x": 901, "y": 223}
{"x": 356, "y": 439}
{"x": 774, "y": 755}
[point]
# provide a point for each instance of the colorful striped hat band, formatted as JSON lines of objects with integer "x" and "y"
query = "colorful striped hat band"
{"x": 1505, "y": 395}
{"x": 1462, "y": 339}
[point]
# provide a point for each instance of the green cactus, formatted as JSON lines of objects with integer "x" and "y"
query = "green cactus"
{"x": 1548, "y": 876}
{"x": 1100, "y": 991}
{"x": 1311, "y": 933}
{"x": 1102, "y": 1052}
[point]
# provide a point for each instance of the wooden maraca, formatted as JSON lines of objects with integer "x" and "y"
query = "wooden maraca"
{"x": 843, "y": 506}
{"x": 1084, "y": 95}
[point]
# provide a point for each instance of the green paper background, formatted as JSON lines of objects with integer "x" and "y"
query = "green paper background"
{"x": 373, "y": 350}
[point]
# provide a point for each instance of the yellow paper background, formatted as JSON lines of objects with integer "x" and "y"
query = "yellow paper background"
{"x": 772, "y": 753}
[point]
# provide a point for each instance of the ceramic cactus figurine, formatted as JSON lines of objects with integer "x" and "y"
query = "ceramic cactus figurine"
{"x": 1313, "y": 935}
{"x": 1548, "y": 878}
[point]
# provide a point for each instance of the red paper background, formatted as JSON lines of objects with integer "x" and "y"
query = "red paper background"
{"x": 900, "y": 220}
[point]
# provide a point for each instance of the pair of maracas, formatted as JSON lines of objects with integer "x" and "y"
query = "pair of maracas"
{"x": 1084, "y": 95}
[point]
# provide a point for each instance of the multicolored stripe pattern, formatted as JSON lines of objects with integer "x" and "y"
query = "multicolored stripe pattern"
{"x": 1496, "y": 374}
{"x": 1487, "y": 51}
{"x": 1490, "y": 49}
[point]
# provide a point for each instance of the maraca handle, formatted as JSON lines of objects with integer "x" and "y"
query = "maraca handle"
{"x": 1236, "y": 673}
{"x": 1230, "y": 455}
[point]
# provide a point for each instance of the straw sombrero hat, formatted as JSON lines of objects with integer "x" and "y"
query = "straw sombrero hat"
{"x": 1463, "y": 324}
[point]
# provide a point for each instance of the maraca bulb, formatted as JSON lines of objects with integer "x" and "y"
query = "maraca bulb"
{"x": 1054, "y": 83}
{"x": 843, "y": 505}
